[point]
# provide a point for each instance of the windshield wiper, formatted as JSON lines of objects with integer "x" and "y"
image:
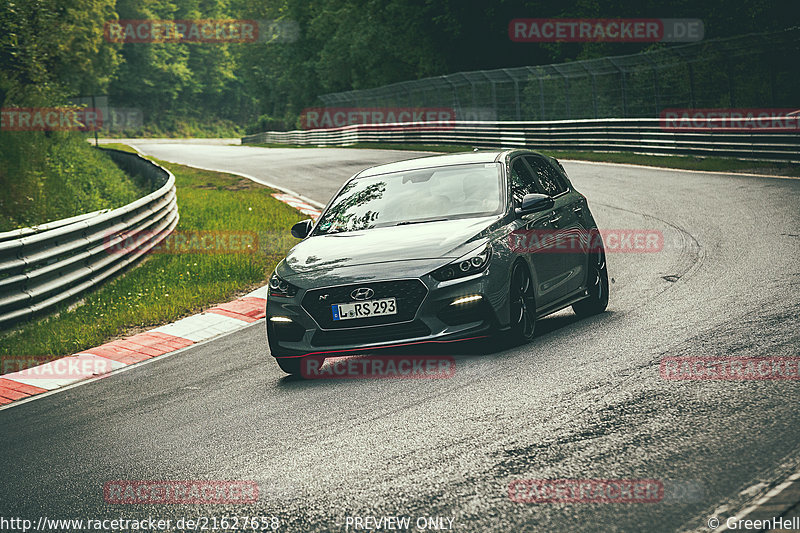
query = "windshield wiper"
{"x": 332, "y": 231}
{"x": 406, "y": 222}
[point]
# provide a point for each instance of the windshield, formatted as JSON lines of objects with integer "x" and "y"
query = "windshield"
{"x": 415, "y": 196}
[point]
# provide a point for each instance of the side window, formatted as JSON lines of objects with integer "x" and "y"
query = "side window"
{"x": 522, "y": 181}
{"x": 561, "y": 167}
{"x": 548, "y": 179}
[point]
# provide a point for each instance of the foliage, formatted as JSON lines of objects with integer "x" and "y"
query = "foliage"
{"x": 54, "y": 49}
{"x": 167, "y": 286}
{"x": 44, "y": 178}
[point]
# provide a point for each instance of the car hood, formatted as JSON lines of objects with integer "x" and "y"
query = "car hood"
{"x": 436, "y": 241}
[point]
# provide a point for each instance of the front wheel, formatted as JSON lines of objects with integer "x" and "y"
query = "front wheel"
{"x": 290, "y": 365}
{"x": 523, "y": 306}
{"x": 597, "y": 287}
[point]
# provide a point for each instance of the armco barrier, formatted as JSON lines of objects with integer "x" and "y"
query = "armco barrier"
{"x": 45, "y": 265}
{"x": 638, "y": 135}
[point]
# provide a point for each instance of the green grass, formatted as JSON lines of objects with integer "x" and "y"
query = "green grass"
{"x": 50, "y": 177}
{"x": 168, "y": 286}
{"x": 121, "y": 147}
{"x": 716, "y": 164}
{"x": 182, "y": 127}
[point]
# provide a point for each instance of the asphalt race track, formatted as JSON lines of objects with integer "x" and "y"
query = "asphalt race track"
{"x": 583, "y": 401}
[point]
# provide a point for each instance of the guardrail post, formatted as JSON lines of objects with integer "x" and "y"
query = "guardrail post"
{"x": 622, "y": 86}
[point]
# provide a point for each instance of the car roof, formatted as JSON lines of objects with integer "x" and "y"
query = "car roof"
{"x": 461, "y": 158}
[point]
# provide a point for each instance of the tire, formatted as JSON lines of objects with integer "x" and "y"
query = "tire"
{"x": 290, "y": 365}
{"x": 597, "y": 287}
{"x": 522, "y": 305}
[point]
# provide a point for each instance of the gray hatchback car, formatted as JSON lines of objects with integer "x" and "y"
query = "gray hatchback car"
{"x": 437, "y": 249}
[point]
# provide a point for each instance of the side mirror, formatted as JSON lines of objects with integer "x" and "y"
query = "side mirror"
{"x": 532, "y": 203}
{"x": 302, "y": 228}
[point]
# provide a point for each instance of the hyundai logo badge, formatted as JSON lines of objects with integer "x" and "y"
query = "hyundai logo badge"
{"x": 362, "y": 293}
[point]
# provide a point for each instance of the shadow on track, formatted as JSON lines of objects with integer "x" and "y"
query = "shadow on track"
{"x": 461, "y": 352}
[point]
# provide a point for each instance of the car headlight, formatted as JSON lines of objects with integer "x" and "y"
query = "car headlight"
{"x": 466, "y": 265}
{"x": 281, "y": 287}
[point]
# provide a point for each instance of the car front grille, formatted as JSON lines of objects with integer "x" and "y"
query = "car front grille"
{"x": 408, "y": 292}
{"x": 389, "y": 333}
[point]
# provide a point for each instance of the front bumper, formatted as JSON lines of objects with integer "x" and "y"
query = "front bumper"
{"x": 299, "y": 334}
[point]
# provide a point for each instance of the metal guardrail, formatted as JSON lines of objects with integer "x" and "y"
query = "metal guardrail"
{"x": 637, "y": 135}
{"x": 48, "y": 264}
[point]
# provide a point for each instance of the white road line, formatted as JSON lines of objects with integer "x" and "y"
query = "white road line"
{"x": 201, "y": 327}
{"x": 260, "y": 292}
{"x": 761, "y": 501}
{"x": 46, "y": 376}
{"x": 124, "y": 369}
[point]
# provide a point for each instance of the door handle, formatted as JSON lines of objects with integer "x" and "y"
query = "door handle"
{"x": 577, "y": 210}
{"x": 554, "y": 220}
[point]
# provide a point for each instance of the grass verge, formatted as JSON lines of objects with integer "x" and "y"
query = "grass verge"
{"x": 121, "y": 147}
{"x": 715, "y": 164}
{"x": 167, "y": 286}
{"x": 182, "y": 127}
{"x": 45, "y": 178}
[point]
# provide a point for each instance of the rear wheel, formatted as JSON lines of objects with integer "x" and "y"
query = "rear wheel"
{"x": 597, "y": 287}
{"x": 523, "y": 306}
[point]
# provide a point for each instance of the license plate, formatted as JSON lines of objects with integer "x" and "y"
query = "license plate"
{"x": 366, "y": 309}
